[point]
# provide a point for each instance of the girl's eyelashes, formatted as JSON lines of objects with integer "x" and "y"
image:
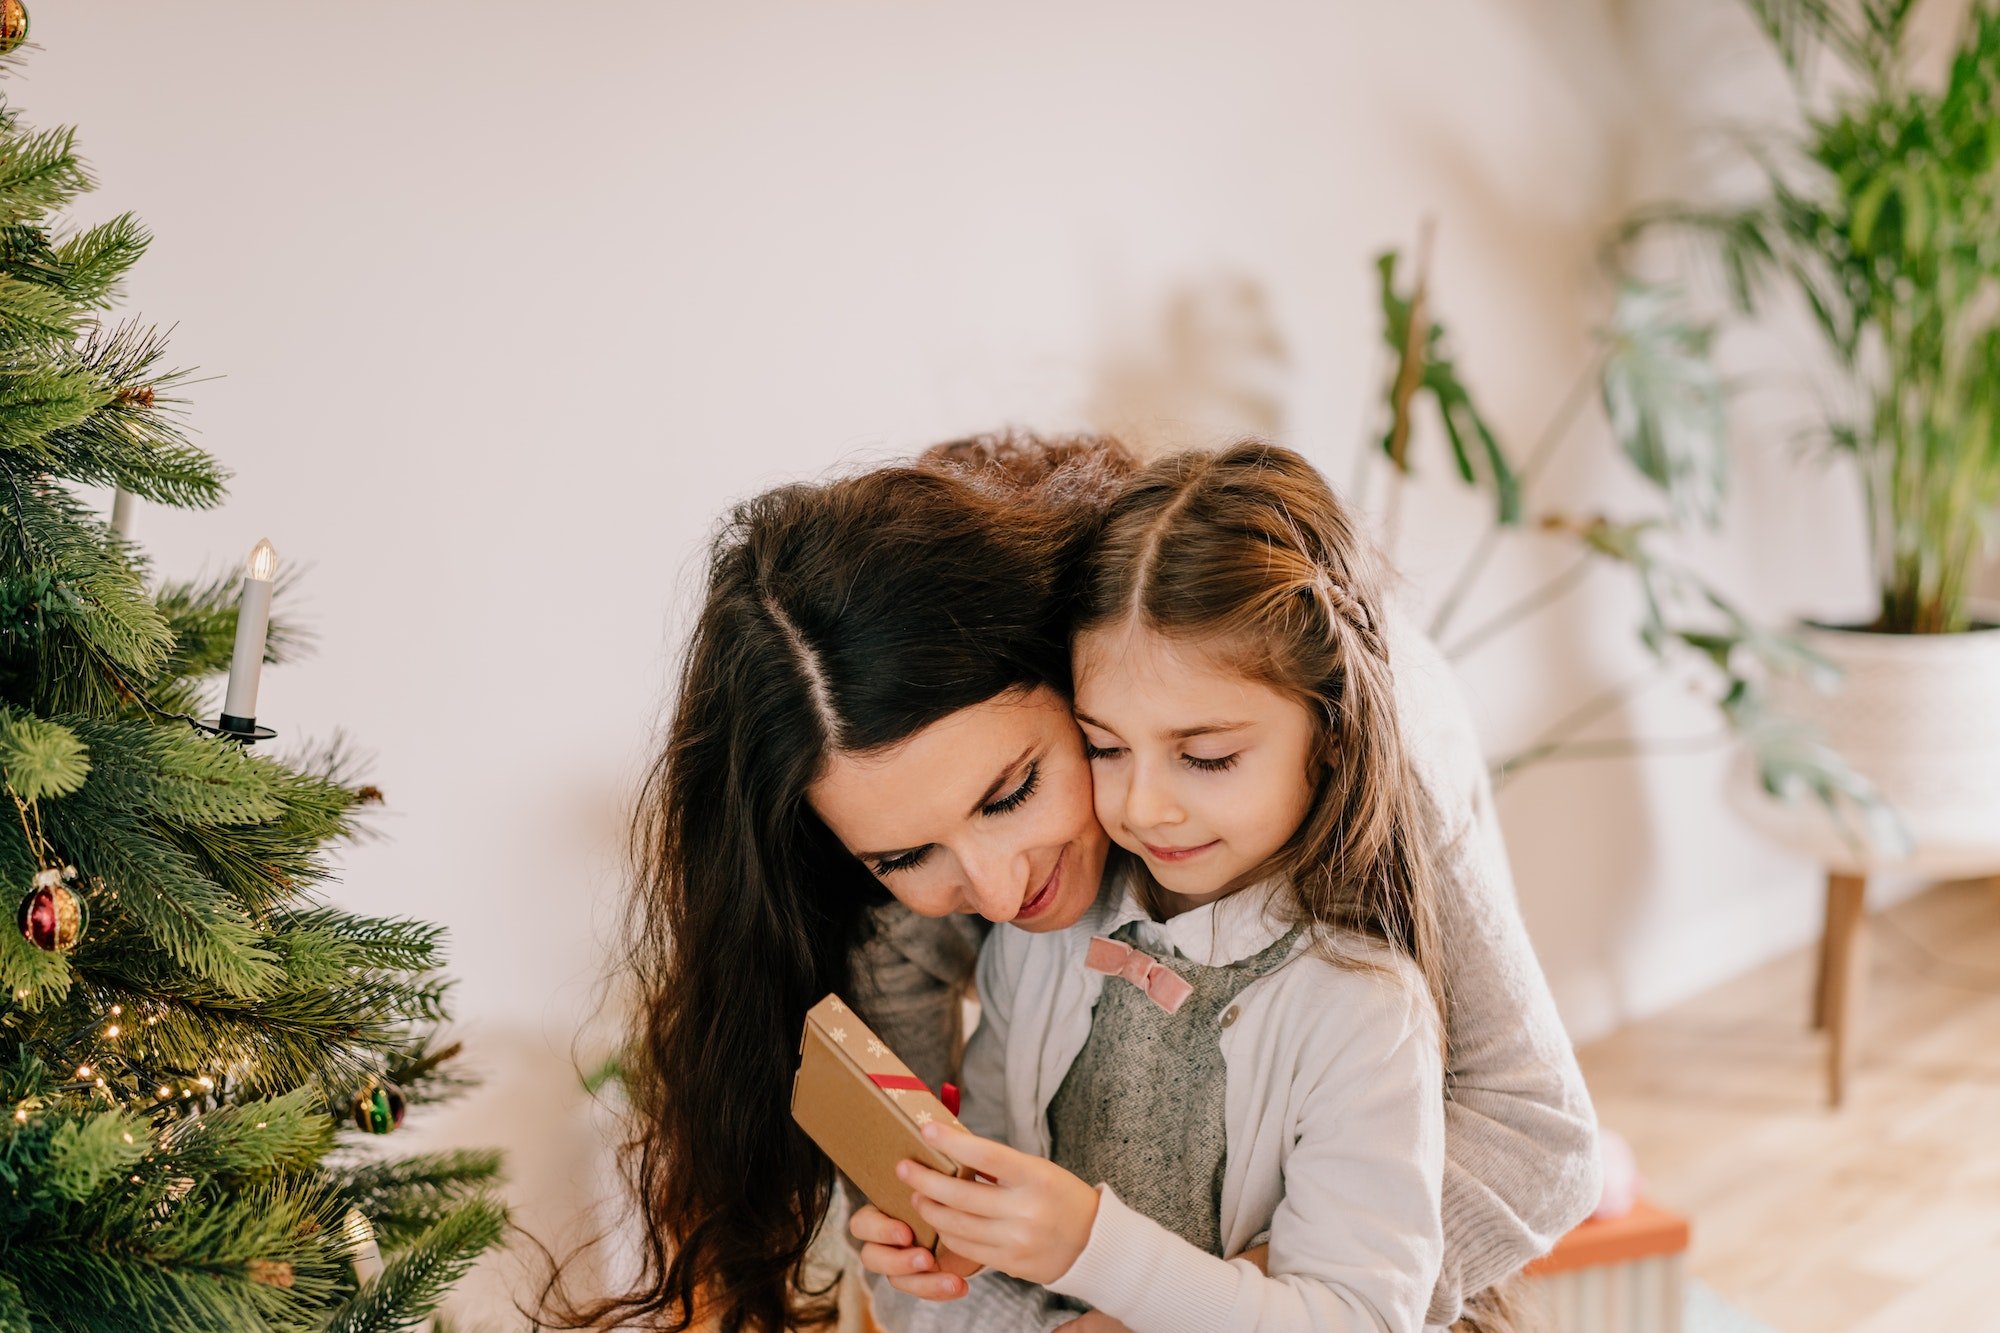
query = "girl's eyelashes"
{"x": 1013, "y": 799}
{"x": 1195, "y": 762}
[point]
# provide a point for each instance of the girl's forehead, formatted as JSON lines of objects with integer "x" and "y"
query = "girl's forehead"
{"x": 1151, "y": 680}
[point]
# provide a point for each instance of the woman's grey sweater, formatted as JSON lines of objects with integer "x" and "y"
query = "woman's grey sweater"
{"x": 1520, "y": 1136}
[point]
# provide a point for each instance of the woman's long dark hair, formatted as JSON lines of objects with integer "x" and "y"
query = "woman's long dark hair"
{"x": 839, "y": 617}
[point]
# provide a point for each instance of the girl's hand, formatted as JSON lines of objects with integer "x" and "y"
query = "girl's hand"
{"x": 1094, "y": 1322}
{"x": 1030, "y": 1217}
{"x": 888, "y": 1248}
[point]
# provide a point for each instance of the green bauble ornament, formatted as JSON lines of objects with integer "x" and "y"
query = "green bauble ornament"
{"x": 13, "y": 25}
{"x": 52, "y": 917}
{"x": 378, "y": 1108}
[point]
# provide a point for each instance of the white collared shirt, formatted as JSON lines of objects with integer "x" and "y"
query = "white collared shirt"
{"x": 1333, "y": 1119}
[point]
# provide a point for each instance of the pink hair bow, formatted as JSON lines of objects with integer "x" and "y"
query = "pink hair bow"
{"x": 1162, "y": 984}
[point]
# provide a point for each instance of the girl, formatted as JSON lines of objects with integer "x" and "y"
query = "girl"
{"x": 1240, "y": 1043}
{"x": 871, "y": 756}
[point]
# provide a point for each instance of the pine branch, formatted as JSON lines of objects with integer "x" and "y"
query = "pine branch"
{"x": 404, "y": 1197}
{"x": 415, "y": 1281}
{"x": 93, "y": 263}
{"x": 154, "y": 886}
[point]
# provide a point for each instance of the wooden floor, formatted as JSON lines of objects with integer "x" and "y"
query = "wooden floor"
{"x": 1882, "y": 1217}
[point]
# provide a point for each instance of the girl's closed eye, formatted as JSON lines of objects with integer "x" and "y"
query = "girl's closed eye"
{"x": 1202, "y": 765}
{"x": 1093, "y": 751}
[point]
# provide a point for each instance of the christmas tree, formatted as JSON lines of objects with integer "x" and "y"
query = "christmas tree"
{"x": 194, "y": 1045}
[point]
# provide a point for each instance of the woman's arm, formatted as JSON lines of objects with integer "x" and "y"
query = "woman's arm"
{"x": 1520, "y": 1136}
{"x": 909, "y": 976}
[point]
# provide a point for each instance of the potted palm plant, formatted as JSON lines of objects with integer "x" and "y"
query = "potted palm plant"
{"x": 1882, "y": 219}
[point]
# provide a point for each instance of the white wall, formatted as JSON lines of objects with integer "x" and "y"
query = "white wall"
{"x": 507, "y": 301}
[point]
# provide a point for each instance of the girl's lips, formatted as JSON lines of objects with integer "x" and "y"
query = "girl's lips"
{"x": 1177, "y": 853}
{"x": 1045, "y": 895}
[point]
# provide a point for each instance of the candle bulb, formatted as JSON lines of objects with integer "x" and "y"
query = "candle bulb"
{"x": 365, "y": 1254}
{"x": 121, "y": 512}
{"x": 253, "y": 623}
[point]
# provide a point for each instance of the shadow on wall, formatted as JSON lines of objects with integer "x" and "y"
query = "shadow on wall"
{"x": 1206, "y": 367}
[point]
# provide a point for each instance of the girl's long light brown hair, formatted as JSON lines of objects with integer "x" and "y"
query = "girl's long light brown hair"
{"x": 1249, "y": 555}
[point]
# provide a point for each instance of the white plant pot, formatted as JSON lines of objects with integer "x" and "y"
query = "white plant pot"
{"x": 1918, "y": 715}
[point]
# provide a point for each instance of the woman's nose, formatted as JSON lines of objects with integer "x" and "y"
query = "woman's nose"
{"x": 993, "y": 884}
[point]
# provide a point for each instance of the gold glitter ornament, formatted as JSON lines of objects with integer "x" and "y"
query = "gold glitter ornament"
{"x": 13, "y": 25}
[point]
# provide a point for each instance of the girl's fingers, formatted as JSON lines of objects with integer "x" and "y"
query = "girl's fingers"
{"x": 896, "y": 1260}
{"x": 968, "y": 1196}
{"x": 870, "y": 1223}
{"x": 995, "y": 1159}
{"x": 969, "y": 1233}
{"x": 931, "y": 1286}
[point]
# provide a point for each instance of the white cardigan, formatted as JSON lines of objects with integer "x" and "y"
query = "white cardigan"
{"x": 1333, "y": 1117}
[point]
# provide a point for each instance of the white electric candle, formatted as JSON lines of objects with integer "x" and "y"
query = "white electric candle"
{"x": 121, "y": 512}
{"x": 253, "y": 623}
{"x": 365, "y": 1254}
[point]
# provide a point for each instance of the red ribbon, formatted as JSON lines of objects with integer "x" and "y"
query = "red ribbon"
{"x": 911, "y": 1083}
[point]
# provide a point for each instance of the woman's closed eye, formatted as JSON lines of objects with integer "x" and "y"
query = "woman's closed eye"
{"x": 1013, "y": 800}
{"x": 907, "y": 861}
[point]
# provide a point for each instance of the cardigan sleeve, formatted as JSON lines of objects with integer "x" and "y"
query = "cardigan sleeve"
{"x": 1521, "y": 1162}
{"x": 909, "y": 975}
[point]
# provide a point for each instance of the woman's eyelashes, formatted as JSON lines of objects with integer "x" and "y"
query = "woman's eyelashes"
{"x": 1021, "y": 793}
{"x": 1011, "y": 801}
{"x": 908, "y": 860}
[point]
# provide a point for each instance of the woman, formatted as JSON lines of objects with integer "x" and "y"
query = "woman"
{"x": 871, "y": 756}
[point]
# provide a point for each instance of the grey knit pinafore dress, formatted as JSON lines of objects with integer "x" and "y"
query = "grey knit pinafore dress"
{"x": 1141, "y": 1110}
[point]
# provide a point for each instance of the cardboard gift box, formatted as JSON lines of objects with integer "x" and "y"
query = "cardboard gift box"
{"x": 866, "y": 1110}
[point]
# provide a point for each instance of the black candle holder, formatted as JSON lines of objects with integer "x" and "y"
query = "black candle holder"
{"x": 233, "y": 728}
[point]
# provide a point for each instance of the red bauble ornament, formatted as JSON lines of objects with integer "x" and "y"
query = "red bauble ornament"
{"x": 52, "y": 917}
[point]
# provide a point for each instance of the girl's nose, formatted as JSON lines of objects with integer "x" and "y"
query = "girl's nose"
{"x": 1150, "y": 803}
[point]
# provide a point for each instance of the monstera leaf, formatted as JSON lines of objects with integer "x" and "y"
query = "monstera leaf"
{"x": 1795, "y": 763}
{"x": 1664, "y": 400}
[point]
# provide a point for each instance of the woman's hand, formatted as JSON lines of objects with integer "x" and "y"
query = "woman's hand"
{"x": 888, "y": 1248}
{"x": 1029, "y": 1217}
